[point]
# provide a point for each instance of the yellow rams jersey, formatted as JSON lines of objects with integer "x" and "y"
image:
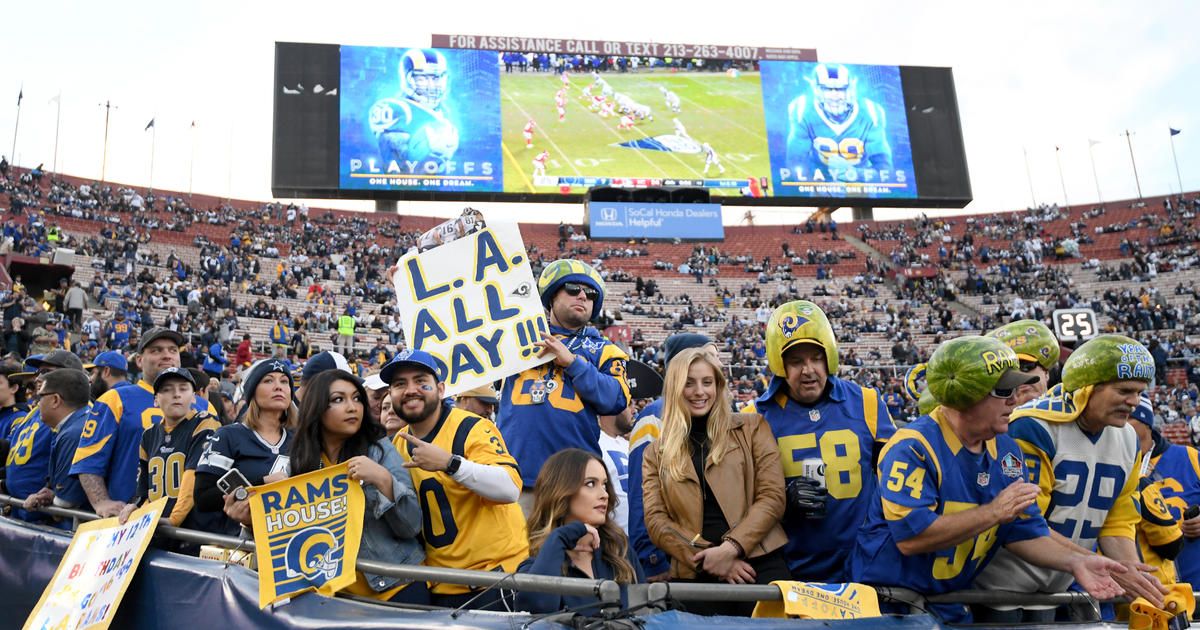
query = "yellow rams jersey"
{"x": 461, "y": 529}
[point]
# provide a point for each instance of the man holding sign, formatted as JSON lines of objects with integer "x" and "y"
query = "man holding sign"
{"x": 557, "y": 405}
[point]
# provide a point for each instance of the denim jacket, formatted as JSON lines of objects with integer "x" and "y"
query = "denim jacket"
{"x": 391, "y": 528}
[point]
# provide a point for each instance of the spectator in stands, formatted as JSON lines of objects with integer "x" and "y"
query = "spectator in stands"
{"x": 170, "y": 452}
{"x": 281, "y": 338}
{"x": 956, "y": 486}
{"x": 345, "y": 333}
{"x": 243, "y": 356}
{"x": 12, "y": 403}
{"x": 481, "y": 401}
{"x": 19, "y": 337}
{"x": 258, "y": 446}
{"x": 572, "y": 532}
{"x": 459, "y": 461}
{"x": 713, "y": 487}
{"x": 75, "y": 301}
{"x": 1081, "y": 428}
{"x": 45, "y": 338}
{"x": 214, "y": 361}
{"x": 390, "y": 421}
{"x": 1159, "y": 536}
{"x": 829, "y": 431}
{"x": 377, "y": 391}
{"x": 28, "y": 464}
{"x": 555, "y": 405}
{"x": 336, "y": 426}
{"x": 106, "y": 461}
{"x": 320, "y": 362}
{"x": 614, "y": 445}
{"x": 63, "y": 403}
{"x": 119, "y": 331}
{"x": 108, "y": 370}
{"x": 1181, "y": 489}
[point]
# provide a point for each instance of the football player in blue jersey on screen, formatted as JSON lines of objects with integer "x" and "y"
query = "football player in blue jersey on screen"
{"x": 413, "y": 129}
{"x": 833, "y": 134}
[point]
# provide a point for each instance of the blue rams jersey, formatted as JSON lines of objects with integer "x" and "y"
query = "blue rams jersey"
{"x": 545, "y": 409}
{"x": 817, "y": 142}
{"x": 654, "y": 561}
{"x": 925, "y": 472}
{"x": 120, "y": 333}
{"x": 9, "y": 416}
{"x": 411, "y": 132}
{"x": 238, "y": 446}
{"x": 67, "y": 491}
{"x": 27, "y": 466}
{"x": 1179, "y": 467}
{"x": 832, "y": 442}
{"x": 108, "y": 445}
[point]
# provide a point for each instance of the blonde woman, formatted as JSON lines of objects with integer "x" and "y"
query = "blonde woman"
{"x": 722, "y": 525}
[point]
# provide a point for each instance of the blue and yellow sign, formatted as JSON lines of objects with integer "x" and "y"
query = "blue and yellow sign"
{"x": 307, "y": 531}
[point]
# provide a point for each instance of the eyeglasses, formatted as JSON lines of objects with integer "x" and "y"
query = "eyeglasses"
{"x": 573, "y": 289}
{"x": 1028, "y": 366}
{"x": 1002, "y": 393}
{"x": 43, "y": 394}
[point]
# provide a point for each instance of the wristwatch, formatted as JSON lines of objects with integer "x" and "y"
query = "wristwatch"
{"x": 452, "y": 467}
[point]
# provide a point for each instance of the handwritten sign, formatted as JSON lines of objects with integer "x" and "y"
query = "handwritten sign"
{"x": 473, "y": 304}
{"x": 94, "y": 573}
{"x": 306, "y": 533}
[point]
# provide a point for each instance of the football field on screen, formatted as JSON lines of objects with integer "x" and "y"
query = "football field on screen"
{"x": 724, "y": 111}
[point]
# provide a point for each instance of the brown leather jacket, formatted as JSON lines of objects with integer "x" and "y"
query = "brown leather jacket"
{"x": 748, "y": 485}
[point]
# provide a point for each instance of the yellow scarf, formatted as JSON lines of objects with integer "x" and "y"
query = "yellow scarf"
{"x": 1056, "y": 405}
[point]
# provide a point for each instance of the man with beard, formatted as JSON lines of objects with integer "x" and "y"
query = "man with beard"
{"x": 106, "y": 461}
{"x": 553, "y": 406}
{"x": 463, "y": 474}
{"x": 108, "y": 371}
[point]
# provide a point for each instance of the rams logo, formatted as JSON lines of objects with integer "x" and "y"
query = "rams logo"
{"x": 790, "y": 323}
{"x": 315, "y": 554}
{"x": 1045, "y": 351}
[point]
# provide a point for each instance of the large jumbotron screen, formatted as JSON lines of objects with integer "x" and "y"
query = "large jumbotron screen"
{"x": 469, "y": 124}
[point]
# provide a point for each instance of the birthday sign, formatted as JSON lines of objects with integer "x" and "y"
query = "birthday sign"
{"x": 306, "y": 533}
{"x": 94, "y": 573}
{"x": 473, "y": 304}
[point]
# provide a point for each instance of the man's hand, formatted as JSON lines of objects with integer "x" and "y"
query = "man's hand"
{"x": 1191, "y": 526}
{"x": 553, "y": 345}
{"x": 38, "y": 499}
{"x": 1138, "y": 581}
{"x": 1012, "y": 500}
{"x": 109, "y": 508}
{"x": 806, "y": 497}
{"x": 426, "y": 456}
{"x": 125, "y": 512}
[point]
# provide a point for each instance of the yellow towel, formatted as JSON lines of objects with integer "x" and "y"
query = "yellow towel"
{"x": 811, "y": 600}
{"x": 1178, "y": 601}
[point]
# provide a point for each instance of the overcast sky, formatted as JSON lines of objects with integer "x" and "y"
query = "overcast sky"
{"x": 1030, "y": 76}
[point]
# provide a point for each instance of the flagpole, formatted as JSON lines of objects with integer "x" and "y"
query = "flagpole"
{"x": 57, "y": 124}
{"x": 108, "y": 106}
{"x": 1134, "y": 163}
{"x": 1096, "y": 178}
{"x": 192, "y": 164}
{"x": 17, "y": 126}
{"x": 153, "y": 141}
{"x": 1029, "y": 177}
{"x": 1061, "y": 180}
{"x": 230, "y": 182}
{"x": 1176, "y": 159}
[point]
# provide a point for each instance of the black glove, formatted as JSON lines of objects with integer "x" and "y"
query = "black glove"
{"x": 806, "y": 498}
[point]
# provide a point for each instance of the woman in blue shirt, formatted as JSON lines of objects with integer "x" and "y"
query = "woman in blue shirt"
{"x": 571, "y": 530}
{"x": 336, "y": 426}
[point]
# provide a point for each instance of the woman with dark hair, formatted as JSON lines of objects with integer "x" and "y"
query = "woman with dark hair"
{"x": 572, "y": 532}
{"x": 336, "y": 426}
{"x": 713, "y": 485}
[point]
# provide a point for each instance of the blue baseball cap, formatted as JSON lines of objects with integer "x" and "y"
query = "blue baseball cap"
{"x": 410, "y": 358}
{"x": 110, "y": 358}
{"x": 322, "y": 361}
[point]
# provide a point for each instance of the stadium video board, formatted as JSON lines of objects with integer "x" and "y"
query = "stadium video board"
{"x": 467, "y": 124}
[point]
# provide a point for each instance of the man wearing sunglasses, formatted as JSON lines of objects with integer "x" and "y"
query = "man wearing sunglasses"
{"x": 557, "y": 405}
{"x": 1082, "y": 454}
{"x": 952, "y": 489}
{"x": 64, "y": 402}
{"x": 1038, "y": 350}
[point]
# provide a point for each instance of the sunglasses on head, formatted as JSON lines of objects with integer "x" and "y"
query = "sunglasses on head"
{"x": 1002, "y": 393}
{"x": 573, "y": 289}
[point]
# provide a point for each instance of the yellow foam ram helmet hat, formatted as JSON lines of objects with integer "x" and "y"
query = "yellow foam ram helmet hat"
{"x": 565, "y": 270}
{"x": 796, "y": 322}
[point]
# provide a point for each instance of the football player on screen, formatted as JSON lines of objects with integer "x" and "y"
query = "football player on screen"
{"x": 414, "y": 127}
{"x": 836, "y": 134}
